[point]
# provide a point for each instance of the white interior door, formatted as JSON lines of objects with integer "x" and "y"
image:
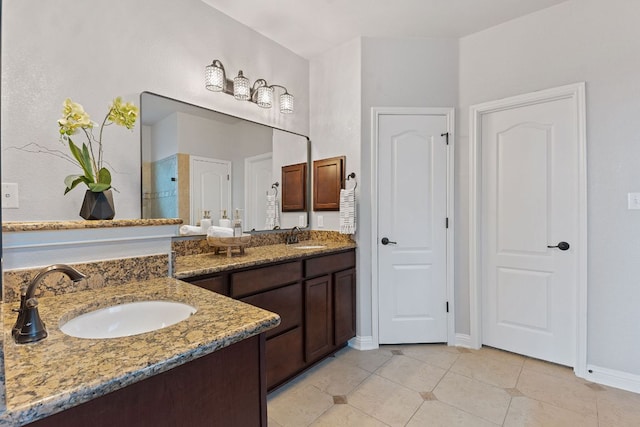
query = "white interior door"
{"x": 258, "y": 180}
{"x": 530, "y": 199}
{"x": 412, "y": 211}
{"x": 210, "y": 187}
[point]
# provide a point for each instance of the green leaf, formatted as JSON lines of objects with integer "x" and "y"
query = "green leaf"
{"x": 104, "y": 181}
{"x": 73, "y": 180}
{"x": 98, "y": 187}
{"x": 82, "y": 156}
{"x": 104, "y": 176}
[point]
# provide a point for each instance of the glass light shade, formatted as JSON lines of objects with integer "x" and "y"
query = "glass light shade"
{"x": 265, "y": 97}
{"x": 286, "y": 103}
{"x": 241, "y": 89}
{"x": 214, "y": 78}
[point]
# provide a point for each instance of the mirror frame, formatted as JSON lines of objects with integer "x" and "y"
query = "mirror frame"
{"x": 308, "y": 172}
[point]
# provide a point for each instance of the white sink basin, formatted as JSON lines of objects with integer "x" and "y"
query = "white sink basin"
{"x": 309, "y": 247}
{"x": 127, "y": 319}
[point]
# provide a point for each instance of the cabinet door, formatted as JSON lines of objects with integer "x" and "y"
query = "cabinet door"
{"x": 284, "y": 357}
{"x": 344, "y": 305}
{"x": 318, "y": 317}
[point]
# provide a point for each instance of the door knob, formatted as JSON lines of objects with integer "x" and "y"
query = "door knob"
{"x": 563, "y": 246}
{"x": 386, "y": 241}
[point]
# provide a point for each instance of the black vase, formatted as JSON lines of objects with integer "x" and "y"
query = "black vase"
{"x": 97, "y": 205}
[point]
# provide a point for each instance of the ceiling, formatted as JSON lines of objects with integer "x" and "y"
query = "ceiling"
{"x": 311, "y": 27}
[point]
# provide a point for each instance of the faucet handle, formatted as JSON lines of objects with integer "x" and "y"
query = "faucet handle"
{"x": 31, "y": 302}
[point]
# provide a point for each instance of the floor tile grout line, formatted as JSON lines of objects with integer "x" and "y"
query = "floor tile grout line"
{"x": 506, "y": 413}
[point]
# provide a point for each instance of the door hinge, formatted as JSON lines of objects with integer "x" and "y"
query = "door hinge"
{"x": 447, "y": 306}
{"x": 228, "y": 177}
{"x": 446, "y": 222}
{"x": 446, "y": 134}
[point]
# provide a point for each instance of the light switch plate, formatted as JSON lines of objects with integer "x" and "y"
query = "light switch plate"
{"x": 10, "y": 196}
{"x": 633, "y": 200}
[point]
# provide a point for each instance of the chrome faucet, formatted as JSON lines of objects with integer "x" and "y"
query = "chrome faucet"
{"x": 292, "y": 237}
{"x": 29, "y": 327}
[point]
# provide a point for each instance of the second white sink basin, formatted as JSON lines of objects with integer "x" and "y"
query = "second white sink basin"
{"x": 309, "y": 246}
{"x": 128, "y": 319}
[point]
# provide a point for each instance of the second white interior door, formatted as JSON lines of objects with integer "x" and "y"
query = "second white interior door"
{"x": 530, "y": 194}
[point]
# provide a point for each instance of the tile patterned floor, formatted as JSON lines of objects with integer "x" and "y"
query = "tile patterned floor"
{"x": 436, "y": 385}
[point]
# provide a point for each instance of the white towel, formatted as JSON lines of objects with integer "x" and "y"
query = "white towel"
{"x": 273, "y": 212}
{"x": 190, "y": 230}
{"x": 215, "y": 231}
{"x": 347, "y": 211}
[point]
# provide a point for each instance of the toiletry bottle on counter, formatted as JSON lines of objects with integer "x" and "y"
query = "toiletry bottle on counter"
{"x": 224, "y": 220}
{"x": 205, "y": 222}
{"x": 237, "y": 224}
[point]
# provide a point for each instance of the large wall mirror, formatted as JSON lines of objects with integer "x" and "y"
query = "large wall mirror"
{"x": 195, "y": 159}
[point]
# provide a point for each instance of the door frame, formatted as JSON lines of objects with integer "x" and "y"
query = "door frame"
{"x": 248, "y": 172}
{"x": 575, "y": 92}
{"x": 449, "y": 114}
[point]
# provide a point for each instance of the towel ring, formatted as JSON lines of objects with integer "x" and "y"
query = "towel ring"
{"x": 352, "y": 175}
{"x": 274, "y": 186}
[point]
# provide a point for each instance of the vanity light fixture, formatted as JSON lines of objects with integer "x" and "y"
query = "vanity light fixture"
{"x": 260, "y": 92}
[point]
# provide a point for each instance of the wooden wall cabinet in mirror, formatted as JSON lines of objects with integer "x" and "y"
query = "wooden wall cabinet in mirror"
{"x": 294, "y": 187}
{"x": 328, "y": 176}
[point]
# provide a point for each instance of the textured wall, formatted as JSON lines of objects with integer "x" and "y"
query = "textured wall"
{"x": 596, "y": 42}
{"x": 93, "y": 51}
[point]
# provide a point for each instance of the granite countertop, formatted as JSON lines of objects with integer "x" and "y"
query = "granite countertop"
{"x": 17, "y": 226}
{"x": 60, "y": 371}
{"x": 196, "y": 265}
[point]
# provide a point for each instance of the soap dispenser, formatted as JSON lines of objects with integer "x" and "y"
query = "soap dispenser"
{"x": 224, "y": 220}
{"x": 237, "y": 224}
{"x": 205, "y": 222}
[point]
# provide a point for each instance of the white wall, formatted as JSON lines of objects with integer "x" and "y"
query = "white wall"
{"x": 92, "y": 51}
{"x": 345, "y": 83}
{"x": 581, "y": 40}
{"x": 335, "y": 113}
{"x": 412, "y": 72}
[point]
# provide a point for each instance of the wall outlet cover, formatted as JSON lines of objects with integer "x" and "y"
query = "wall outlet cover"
{"x": 10, "y": 196}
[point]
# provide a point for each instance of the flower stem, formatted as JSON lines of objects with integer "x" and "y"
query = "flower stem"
{"x": 104, "y": 122}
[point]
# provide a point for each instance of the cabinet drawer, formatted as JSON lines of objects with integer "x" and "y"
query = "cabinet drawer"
{"x": 286, "y": 301}
{"x": 264, "y": 278}
{"x": 329, "y": 263}
{"x": 216, "y": 284}
{"x": 284, "y": 356}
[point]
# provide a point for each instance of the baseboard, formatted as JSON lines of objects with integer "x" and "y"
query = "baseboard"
{"x": 363, "y": 343}
{"x": 463, "y": 340}
{"x": 613, "y": 378}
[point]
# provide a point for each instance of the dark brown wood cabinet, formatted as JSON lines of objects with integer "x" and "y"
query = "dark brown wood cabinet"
{"x": 318, "y": 314}
{"x": 224, "y": 388}
{"x": 294, "y": 188}
{"x": 328, "y": 179}
{"x": 315, "y": 298}
{"x": 344, "y": 302}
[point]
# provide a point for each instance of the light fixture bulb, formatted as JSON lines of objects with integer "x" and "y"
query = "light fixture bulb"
{"x": 265, "y": 97}
{"x": 214, "y": 76}
{"x": 241, "y": 89}
{"x": 286, "y": 103}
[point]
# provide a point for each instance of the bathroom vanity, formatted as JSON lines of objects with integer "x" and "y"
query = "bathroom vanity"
{"x": 205, "y": 370}
{"x": 313, "y": 289}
